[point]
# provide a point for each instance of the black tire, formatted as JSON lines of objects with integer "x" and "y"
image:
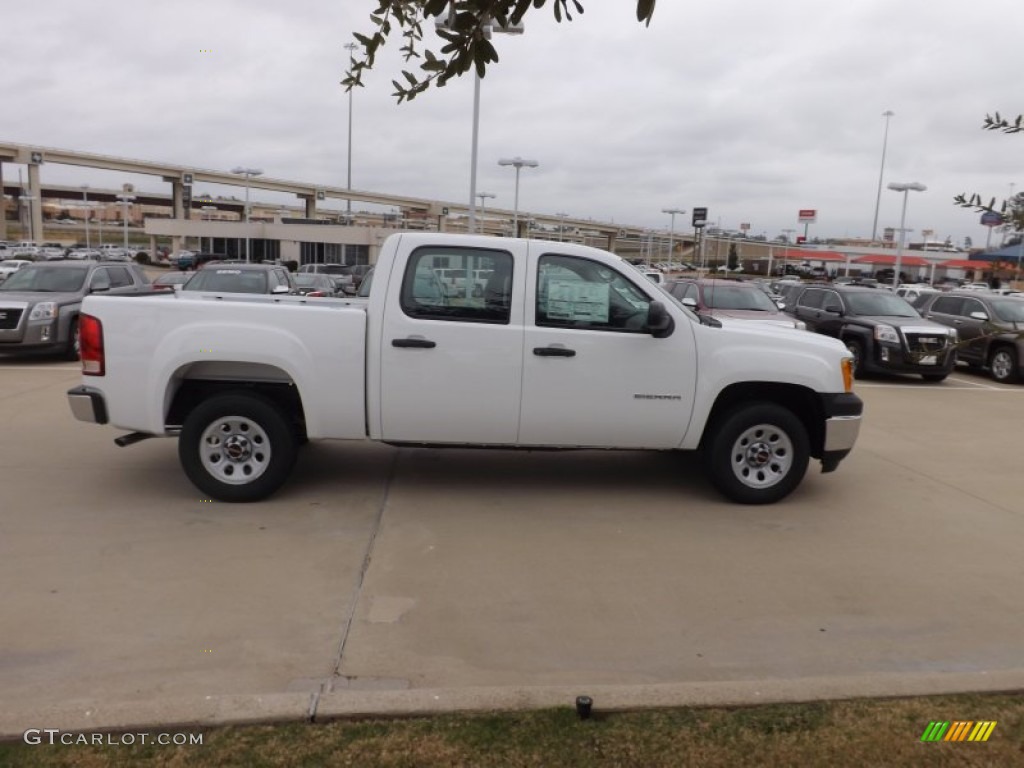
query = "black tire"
{"x": 1002, "y": 364}
{"x": 856, "y": 349}
{"x": 934, "y": 377}
{"x": 237, "y": 447}
{"x": 758, "y": 454}
{"x": 73, "y": 350}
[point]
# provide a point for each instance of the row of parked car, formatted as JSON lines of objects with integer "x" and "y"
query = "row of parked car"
{"x": 883, "y": 331}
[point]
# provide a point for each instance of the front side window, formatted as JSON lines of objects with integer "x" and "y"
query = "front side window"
{"x": 573, "y": 292}
{"x": 475, "y": 285}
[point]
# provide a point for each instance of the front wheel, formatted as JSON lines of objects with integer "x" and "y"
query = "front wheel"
{"x": 759, "y": 453}
{"x": 1003, "y": 364}
{"x": 74, "y": 347}
{"x": 237, "y": 447}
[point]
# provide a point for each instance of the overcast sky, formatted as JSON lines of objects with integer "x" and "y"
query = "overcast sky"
{"x": 752, "y": 109}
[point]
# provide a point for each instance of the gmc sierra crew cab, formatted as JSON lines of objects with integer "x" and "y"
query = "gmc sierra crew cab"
{"x": 565, "y": 346}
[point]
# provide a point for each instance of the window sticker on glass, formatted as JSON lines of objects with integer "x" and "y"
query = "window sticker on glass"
{"x": 577, "y": 301}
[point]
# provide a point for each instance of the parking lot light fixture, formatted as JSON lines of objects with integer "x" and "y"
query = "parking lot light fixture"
{"x": 906, "y": 188}
{"x": 248, "y": 173}
{"x": 85, "y": 209}
{"x": 125, "y": 199}
{"x": 517, "y": 163}
{"x": 672, "y": 227}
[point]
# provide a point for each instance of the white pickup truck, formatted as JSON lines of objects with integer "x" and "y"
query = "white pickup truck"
{"x": 565, "y": 347}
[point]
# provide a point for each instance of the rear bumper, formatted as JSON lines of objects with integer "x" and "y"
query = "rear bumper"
{"x": 87, "y": 404}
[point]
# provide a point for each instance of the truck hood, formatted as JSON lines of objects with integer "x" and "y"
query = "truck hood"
{"x": 783, "y": 336}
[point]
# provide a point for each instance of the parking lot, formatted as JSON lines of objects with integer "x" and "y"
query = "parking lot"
{"x": 383, "y": 576}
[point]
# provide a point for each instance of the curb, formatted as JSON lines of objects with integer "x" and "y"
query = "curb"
{"x": 212, "y": 711}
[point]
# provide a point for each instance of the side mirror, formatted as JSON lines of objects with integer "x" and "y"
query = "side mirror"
{"x": 979, "y": 316}
{"x": 834, "y": 310}
{"x": 280, "y": 289}
{"x": 659, "y": 321}
{"x": 780, "y": 304}
{"x": 99, "y": 288}
{"x": 690, "y": 303}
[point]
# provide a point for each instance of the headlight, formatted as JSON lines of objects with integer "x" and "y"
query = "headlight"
{"x": 800, "y": 325}
{"x": 886, "y": 333}
{"x": 44, "y": 310}
{"x": 953, "y": 335}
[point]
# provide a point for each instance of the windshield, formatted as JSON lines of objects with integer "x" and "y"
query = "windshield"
{"x": 46, "y": 280}
{"x": 1009, "y": 310}
{"x": 879, "y": 304}
{"x": 738, "y": 297}
{"x": 308, "y": 280}
{"x": 228, "y": 280}
{"x": 364, "y": 287}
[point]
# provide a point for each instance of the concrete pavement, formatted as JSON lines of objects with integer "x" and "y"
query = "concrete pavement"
{"x": 385, "y": 580}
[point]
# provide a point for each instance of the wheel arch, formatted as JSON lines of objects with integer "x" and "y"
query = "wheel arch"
{"x": 802, "y": 401}
{"x": 194, "y": 383}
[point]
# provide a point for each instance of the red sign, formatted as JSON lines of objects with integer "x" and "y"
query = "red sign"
{"x": 800, "y": 239}
{"x": 807, "y": 215}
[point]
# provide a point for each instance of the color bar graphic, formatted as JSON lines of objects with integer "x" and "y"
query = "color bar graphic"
{"x": 958, "y": 730}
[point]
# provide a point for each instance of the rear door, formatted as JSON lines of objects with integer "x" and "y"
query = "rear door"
{"x": 451, "y": 363}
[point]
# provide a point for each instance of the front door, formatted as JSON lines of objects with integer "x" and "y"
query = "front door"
{"x": 592, "y": 374}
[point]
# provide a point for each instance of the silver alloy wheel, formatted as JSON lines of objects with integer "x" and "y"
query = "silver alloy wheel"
{"x": 762, "y": 456}
{"x": 1002, "y": 365}
{"x": 235, "y": 450}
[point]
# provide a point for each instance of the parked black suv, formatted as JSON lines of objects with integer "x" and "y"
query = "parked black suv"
{"x": 881, "y": 330}
{"x": 991, "y": 329}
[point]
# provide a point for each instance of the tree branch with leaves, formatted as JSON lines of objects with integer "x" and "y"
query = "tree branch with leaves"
{"x": 464, "y": 27}
{"x": 1012, "y": 210}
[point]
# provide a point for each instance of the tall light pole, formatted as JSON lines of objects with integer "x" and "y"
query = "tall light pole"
{"x": 484, "y": 196}
{"x": 672, "y": 228}
{"x": 348, "y": 205}
{"x": 906, "y": 189}
{"x": 27, "y": 201}
{"x": 518, "y": 163}
{"x": 85, "y": 208}
{"x": 561, "y": 225}
{"x": 878, "y": 198}
{"x": 125, "y": 200}
{"x": 248, "y": 173}
{"x": 487, "y": 28}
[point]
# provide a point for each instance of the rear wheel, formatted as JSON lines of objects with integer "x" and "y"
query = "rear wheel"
{"x": 237, "y": 447}
{"x": 1003, "y": 364}
{"x": 759, "y": 453}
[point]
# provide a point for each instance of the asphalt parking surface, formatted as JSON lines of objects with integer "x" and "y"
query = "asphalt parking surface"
{"x": 382, "y": 573}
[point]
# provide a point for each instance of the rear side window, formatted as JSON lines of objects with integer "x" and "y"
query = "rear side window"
{"x": 475, "y": 286}
{"x": 947, "y": 305}
{"x": 812, "y": 298}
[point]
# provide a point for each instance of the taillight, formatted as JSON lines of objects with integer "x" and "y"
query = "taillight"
{"x": 90, "y": 337}
{"x": 315, "y": 294}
